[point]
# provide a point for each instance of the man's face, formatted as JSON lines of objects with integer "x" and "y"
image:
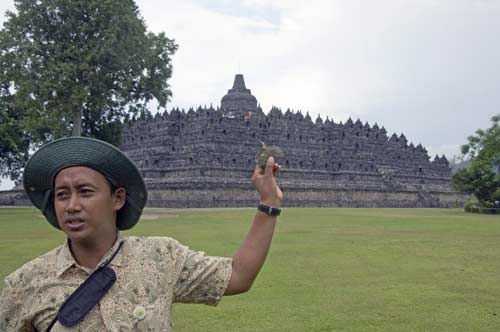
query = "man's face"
{"x": 85, "y": 206}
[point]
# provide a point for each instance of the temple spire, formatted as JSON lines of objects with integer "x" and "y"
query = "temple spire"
{"x": 239, "y": 100}
{"x": 239, "y": 84}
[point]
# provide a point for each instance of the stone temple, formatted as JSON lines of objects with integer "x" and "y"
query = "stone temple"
{"x": 205, "y": 158}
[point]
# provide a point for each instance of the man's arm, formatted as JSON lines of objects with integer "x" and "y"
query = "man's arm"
{"x": 252, "y": 253}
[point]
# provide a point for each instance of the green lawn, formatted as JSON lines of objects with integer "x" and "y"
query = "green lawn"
{"x": 328, "y": 269}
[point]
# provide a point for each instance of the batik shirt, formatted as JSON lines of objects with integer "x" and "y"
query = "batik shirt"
{"x": 152, "y": 273}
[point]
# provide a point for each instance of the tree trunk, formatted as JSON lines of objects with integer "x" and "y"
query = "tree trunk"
{"x": 77, "y": 122}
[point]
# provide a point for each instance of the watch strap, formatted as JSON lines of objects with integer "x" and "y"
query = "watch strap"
{"x": 269, "y": 210}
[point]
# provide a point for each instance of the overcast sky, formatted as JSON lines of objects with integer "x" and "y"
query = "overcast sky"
{"x": 427, "y": 68}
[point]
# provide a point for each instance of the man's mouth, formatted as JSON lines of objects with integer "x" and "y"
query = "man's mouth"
{"x": 74, "y": 224}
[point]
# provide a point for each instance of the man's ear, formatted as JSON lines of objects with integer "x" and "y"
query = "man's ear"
{"x": 119, "y": 198}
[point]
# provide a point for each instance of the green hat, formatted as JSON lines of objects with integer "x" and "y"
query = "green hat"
{"x": 43, "y": 166}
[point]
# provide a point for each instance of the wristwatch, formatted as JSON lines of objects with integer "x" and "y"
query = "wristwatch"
{"x": 269, "y": 210}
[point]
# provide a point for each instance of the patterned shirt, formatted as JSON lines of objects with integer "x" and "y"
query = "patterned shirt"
{"x": 152, "y": 273}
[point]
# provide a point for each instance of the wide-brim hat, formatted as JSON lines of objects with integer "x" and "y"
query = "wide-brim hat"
{"x": 43, "y": 166}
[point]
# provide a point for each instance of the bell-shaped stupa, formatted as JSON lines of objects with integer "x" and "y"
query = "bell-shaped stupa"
{"x": 239, "y": 100}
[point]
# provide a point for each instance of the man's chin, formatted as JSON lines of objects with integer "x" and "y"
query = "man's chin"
{"x": 76, "y": 233}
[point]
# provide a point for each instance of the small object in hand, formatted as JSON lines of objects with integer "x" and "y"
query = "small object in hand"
{"x": 267, "y": 151}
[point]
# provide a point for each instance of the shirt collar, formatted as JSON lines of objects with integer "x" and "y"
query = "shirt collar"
{"x": 65, "y": 258}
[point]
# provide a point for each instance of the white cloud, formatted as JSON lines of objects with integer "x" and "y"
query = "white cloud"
{"x": 449, "y": 150}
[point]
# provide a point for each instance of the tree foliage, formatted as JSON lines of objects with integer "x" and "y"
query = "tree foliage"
{"x": 14, "y": 142}
{"x": 63, "y": 62}
{"x": 481, "y": 178}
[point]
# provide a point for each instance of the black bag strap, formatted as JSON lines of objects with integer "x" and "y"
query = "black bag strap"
{"x": 87, "y": 295}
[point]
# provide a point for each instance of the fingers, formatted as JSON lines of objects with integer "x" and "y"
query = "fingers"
{"x": 271, "y": 168}
{"x": 268, "y": 171}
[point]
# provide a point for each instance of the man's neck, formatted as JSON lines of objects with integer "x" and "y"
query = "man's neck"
{"x": 90, "y": 254}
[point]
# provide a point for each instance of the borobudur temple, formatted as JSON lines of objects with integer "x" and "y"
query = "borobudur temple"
{"x": 205, "y": 157}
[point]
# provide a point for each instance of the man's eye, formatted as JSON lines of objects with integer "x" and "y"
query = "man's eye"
{"x": 61, "y": 195}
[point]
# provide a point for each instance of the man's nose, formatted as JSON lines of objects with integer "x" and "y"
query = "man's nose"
{"x": 73, "y": 203}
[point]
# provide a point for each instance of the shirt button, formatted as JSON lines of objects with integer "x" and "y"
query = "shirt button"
{"x": 139, "y": 312}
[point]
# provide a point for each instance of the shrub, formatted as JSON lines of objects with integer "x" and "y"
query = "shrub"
{"x": 471, "y": 204}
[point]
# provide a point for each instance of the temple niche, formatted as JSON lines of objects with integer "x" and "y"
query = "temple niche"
{"x": 204, "y": 157}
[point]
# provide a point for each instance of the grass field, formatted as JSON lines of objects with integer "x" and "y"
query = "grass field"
{"x": 328, "y": 269}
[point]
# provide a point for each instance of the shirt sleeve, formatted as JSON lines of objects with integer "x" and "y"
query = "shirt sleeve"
{"x": 202, "y": 279}
{"x": 12, "y": 317}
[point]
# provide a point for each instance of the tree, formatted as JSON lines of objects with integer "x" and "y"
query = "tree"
{"x": 482, "y": 178}
{"x": 80, "y": 67}
{"x": 14, "y": 143}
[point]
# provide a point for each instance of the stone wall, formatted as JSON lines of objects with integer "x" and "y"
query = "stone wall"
{"x": 208, "y": 137}
{"x": 182, "y": 194}
{"x": 14, "y": 198}
{"x": 231, "y": 187}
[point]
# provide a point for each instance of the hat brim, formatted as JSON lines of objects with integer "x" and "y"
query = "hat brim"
{"x": 43, "y": 166}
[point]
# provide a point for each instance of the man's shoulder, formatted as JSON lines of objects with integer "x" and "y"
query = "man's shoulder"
{"x": 147, "y": 241}
{"x": 39, "y": 266}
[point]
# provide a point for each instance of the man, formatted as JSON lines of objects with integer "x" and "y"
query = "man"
{"x": 90, "y": 190}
